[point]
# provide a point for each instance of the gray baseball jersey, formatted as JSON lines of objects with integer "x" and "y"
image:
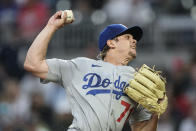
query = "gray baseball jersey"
{"x": 95, "y": 92}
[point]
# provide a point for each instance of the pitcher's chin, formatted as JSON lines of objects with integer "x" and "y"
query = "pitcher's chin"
{"x": 132, "y": 55}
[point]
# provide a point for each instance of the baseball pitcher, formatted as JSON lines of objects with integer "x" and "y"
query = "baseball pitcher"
{"x": 103, "y": 94}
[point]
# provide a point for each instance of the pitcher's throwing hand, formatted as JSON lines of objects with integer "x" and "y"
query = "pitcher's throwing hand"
{"x": 61, "y": 18}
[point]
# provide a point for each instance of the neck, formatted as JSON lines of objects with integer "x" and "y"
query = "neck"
{"x": 116, "y": 60}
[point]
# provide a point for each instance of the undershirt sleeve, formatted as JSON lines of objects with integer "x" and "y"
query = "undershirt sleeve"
{"x": 139, "y": 114}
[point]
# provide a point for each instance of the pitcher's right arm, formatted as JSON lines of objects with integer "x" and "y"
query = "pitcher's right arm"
{"x": 35, "y": 61}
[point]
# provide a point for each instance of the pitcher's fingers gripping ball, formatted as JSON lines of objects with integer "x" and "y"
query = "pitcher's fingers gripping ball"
{"x": 148, "y": 89}
{"x": 69, "y": 16}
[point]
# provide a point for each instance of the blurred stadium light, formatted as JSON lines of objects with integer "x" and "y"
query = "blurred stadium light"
{"x": 193, "y": 13}
{"x": 187, "y": 4}
{"x": 63, "y": 4}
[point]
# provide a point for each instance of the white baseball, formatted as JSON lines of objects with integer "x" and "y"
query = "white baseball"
{"x": 70, "y": 16}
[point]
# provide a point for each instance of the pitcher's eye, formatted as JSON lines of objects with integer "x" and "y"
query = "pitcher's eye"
{"x": 127, "y": 37}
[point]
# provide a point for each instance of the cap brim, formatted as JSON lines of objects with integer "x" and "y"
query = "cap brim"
{"x": 136, "y": 31}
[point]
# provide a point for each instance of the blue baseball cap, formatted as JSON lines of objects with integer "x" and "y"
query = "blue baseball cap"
{"x": 114, "y": 30}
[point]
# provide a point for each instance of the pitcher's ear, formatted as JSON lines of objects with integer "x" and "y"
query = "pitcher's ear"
{"x": 111, "y": 44}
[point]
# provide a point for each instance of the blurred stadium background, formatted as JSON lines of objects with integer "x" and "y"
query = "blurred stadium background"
{"x": 169, "y": 42}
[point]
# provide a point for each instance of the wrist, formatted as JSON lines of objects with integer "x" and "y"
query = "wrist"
{"x": 51, "y": 28}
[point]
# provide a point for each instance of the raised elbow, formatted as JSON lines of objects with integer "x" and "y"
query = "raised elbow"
{"x": 37, "y": 69}
{"x": 28, "y": 66}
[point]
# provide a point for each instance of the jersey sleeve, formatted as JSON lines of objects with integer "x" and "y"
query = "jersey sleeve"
{"x": 139, "y": 114}
{"x": 58, "y": 68}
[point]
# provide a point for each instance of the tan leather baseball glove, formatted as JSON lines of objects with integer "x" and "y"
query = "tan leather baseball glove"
{"x": 148, "y": 89}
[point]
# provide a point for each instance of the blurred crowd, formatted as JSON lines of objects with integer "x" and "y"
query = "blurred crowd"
{"x": 27, "y": 105}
